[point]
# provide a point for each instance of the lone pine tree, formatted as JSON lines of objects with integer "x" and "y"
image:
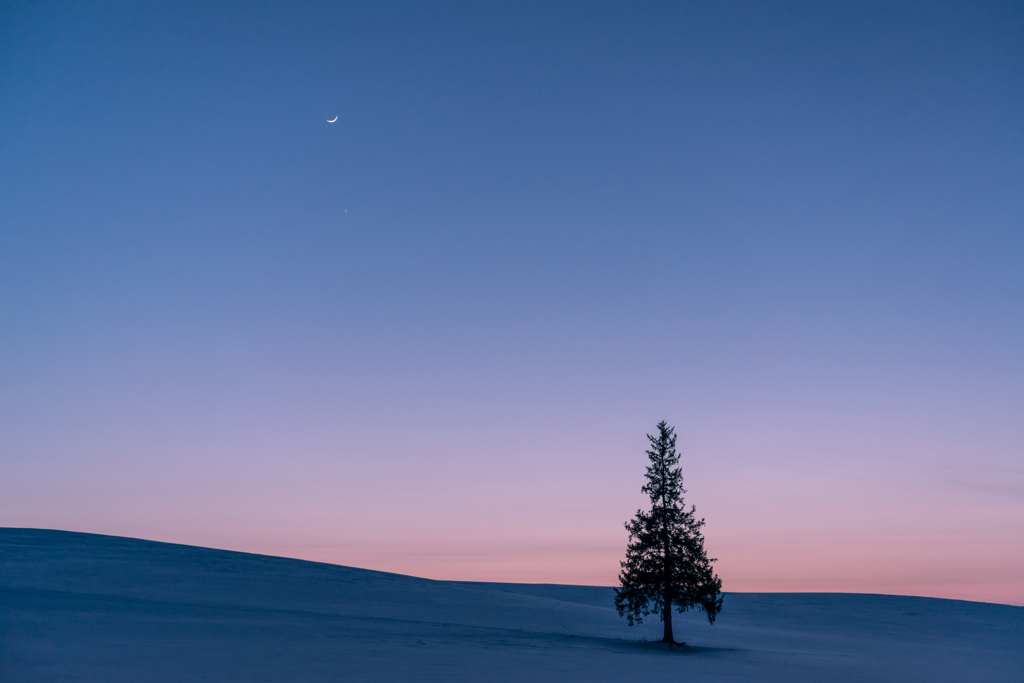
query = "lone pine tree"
{"x": 665, "y": 563}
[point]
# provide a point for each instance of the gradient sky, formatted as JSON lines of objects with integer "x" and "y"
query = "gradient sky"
{"x": 429, "y": 338}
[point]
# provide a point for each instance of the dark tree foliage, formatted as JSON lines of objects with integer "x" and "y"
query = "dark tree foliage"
{"x": 665, "y": 563}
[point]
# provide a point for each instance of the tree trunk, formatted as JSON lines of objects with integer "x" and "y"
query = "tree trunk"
{"x": 666, "y": 588}
{"x": 666, "y": 595}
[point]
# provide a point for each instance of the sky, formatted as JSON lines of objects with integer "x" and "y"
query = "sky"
{"x": 430, "y": 338}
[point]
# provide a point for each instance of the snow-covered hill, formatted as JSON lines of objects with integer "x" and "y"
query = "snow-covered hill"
{"x": 82, "y": 607}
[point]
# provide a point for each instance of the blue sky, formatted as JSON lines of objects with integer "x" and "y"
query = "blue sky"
{"x": 794, "y": 231}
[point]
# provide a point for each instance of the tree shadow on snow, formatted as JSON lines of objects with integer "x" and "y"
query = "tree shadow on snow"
{"x": 679, "y": 648}
{"x": 637, "y": 646}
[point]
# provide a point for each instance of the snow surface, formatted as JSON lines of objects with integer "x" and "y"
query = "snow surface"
{"x": 82, "y": 607}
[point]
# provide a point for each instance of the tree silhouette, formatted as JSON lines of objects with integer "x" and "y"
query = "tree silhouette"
{"x": 665, "y": 563}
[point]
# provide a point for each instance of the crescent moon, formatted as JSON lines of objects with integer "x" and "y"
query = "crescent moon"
{"x": 332, "y": 120}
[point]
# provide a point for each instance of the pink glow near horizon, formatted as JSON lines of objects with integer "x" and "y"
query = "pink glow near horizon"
{"x": 779, "y": 525}
{"x": 855, "y": 568}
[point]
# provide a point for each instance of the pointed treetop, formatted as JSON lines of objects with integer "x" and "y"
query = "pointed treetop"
{"x": 664, "y": 477}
